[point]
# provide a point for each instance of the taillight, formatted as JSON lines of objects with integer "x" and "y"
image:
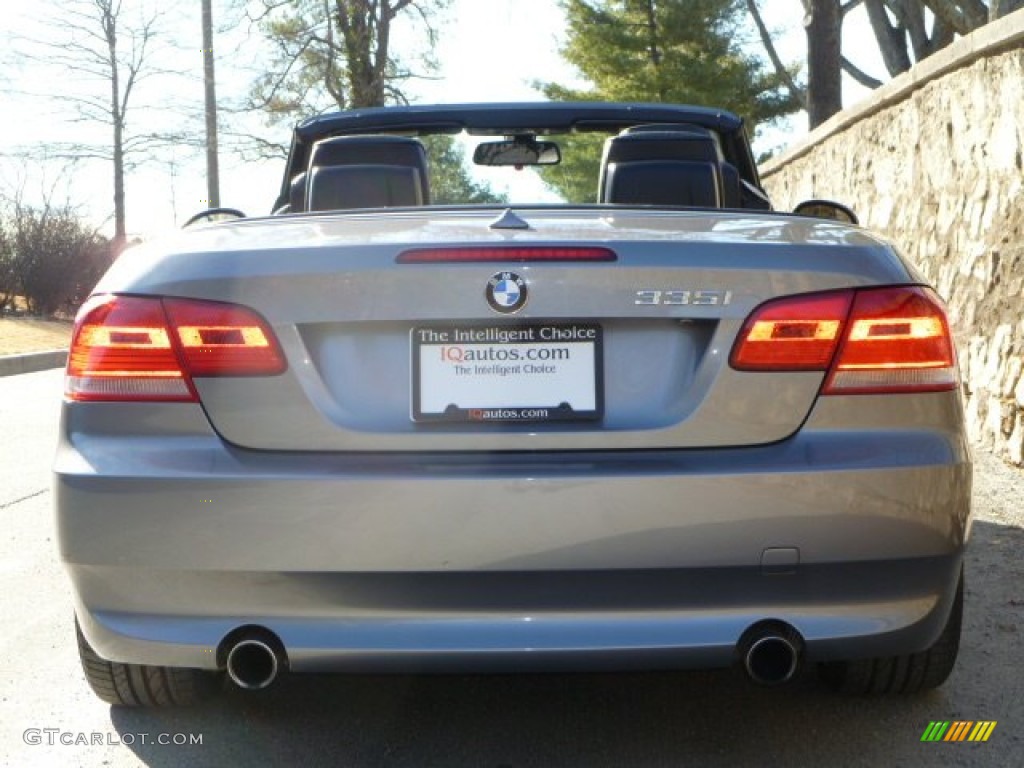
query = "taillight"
{"x": 869, "y": 340}
{"x": 898, "y": 341}
{"x": 799, "y": 333}
{"x": 506, "y": 253}
{"x": 141, "y": 348}
{"x": 122, "y": 349}
{"x": 223, "y": 339}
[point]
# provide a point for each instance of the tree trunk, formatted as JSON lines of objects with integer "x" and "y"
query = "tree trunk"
{"x": 999, "y": 8}
{"x": 120, "y": 232}
{"x": 653, "y": 52}
{"x": 964, "y": 16}
{"x": 823, "y": 24}
{"x": 212, "y": 165}
{"x": 891, "y": 39}
{"x": 117, "y": 119}
{"x": 360, "y": 27}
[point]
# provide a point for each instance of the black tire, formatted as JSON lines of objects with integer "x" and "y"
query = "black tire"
{"x": 141, "y": 685}
{"x": 901, "y": 674}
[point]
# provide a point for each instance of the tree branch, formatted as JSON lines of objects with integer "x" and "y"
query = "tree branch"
{"x": 858, "y": 74}
{"x": 891, "y": 39}
{"x": 963, "y": 15}
{"x": 780, "y": 69}
{"x": 279, "y": 81}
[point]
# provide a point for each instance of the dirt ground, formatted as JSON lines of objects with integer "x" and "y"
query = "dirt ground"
{"x": 19, "y": 335}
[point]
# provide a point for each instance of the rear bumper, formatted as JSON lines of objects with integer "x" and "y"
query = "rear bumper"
{"x": 497, "y": 561}
{"x": 539, "y": 621}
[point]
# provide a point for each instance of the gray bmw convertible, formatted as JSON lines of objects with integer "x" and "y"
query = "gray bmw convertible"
{"x": 664, "y": 427}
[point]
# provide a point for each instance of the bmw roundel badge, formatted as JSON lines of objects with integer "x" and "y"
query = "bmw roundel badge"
{"x": 506, "y": 292}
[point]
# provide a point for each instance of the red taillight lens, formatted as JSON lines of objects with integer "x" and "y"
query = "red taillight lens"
{"x": 870, "y": 340}
{"x": 223, "y": 339}
{"x": 141, "y": 348}
{"x": 506, "y": 253}
{"x": 898, "y": 340}
{"x": 122, "y": 349}
{"x": 793, "y": 334}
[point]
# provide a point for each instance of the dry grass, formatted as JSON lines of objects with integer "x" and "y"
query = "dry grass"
{"x": 19, "y": 335}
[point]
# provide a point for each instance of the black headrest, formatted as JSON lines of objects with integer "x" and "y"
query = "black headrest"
{"x": 732, "y": 189}
{"x": 355, "y": 150}
{"x": 661, "y": 145}
{"x": 377, "y": 150}
{"x": 690, "y": 128}
{"x": 663, "y": 182}
{"x": 336, "y": 187}
{"x": 651, "y": 166}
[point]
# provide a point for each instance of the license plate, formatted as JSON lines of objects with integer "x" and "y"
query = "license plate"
{"x": 507, "y": 373}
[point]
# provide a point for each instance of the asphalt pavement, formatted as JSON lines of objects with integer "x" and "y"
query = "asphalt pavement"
{"x": 48, "y": 716}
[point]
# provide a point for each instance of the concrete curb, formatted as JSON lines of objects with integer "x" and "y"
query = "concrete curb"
{"x": 12, "y": 365}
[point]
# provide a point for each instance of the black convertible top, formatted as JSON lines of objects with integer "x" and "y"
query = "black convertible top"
{"x": 510, "y": 118}
{"x": 513, "y": 117}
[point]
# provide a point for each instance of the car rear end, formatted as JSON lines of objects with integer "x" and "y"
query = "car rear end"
{"x": 627, "y": 439}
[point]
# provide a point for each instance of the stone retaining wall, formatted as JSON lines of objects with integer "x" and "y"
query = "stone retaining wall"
{"x": 933, "y": 160}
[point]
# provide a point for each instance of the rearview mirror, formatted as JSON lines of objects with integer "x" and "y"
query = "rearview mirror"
{"x": 827, "y": 209}
{"x": 518, "y": 151}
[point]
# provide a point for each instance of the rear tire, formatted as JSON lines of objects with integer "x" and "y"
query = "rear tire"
{"x": 901, "y": 674}
{"x": 141, "y": 685}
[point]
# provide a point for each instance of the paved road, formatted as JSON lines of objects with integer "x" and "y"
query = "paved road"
{"x": 679, "y": 719}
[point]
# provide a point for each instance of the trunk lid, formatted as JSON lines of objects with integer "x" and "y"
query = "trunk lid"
{"x": 368, "y": 339}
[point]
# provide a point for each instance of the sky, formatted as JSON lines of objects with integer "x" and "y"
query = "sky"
{"x": 488, "y": 50}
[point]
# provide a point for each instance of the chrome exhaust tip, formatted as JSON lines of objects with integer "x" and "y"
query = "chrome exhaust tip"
{"x": 771, "y": 653}
{"x": 252, "y": 664}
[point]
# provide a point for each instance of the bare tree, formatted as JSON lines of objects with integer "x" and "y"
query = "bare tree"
{"x": 785, "y": 75}
{"x": 321, "y": 55}
{"x": 1000, "y": 8}
{"x": 210, "y": 93}
{"x": 8, "y": 270}
{"x": 823, "y": 22}
{"x": 906, "y": 31}
{"x": 338, "y": 54}
{"x": 334, "y": 53}
{"x": 900, "y": 28}
{"x": 107, "y": 55}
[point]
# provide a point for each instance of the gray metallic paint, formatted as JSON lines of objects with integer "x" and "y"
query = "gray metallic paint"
{"x": 365, "y": 542}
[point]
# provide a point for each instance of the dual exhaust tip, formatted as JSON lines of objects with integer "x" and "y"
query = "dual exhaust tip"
{"x": 770, "y": 652}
